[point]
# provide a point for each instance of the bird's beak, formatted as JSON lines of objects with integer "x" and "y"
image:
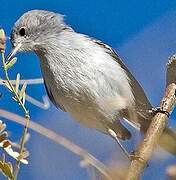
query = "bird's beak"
{"x": 13, "y": 52}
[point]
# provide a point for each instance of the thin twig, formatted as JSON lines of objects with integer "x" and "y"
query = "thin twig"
{"x": 43, "y": 105}
{"x": 26, "y": 112}
{"x": 22, "y": 143}
{"x": 87, "y": 157}
{"x": 152, "y": 135}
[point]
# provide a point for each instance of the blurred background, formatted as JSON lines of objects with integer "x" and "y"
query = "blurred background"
{"x": 142, "y": 32}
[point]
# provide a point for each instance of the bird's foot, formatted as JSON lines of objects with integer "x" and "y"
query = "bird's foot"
{"x": 134, "y": 156}
{"x": 160, "y": 110}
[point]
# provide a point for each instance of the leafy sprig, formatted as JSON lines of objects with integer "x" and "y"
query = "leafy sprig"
{"x": 19, "y": 96}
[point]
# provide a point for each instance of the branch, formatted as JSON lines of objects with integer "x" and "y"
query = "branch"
{"x": 88, "y": 159}
{"x": 157, "y": 125}
{"x": 17, "y": 94}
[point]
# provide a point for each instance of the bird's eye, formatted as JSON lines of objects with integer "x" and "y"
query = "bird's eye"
{"x": 22, "y": 31}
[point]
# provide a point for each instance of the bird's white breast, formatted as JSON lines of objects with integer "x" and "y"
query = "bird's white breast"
{"x": 86, "y": 80}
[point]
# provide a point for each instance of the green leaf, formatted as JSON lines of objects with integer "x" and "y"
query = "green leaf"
{"x": 11, "y": 63}
{"x": 2, "y": 34}
{"x": 6, "y": 84}
{"x": 24, "y": 98}
{"x": 17, "y": 83}
{"x": 21, "y": 94}
{"x": 23, "y": 155}
{"x": 14, "y": 99}
{"x": 2, "y": 41}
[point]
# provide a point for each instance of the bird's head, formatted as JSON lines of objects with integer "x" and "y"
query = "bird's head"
{"x": 34, "y": 28}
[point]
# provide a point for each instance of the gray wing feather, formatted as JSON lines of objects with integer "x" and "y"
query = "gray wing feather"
{"x": 142, "y": 104}
{"x": 51, "y": 97}
{"x": 168, "y": 138}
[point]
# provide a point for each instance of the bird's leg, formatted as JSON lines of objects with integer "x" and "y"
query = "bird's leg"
{"x": 114, "y": 136}
{"x": 160, "y": 110}
{"x": 135, "y": 156}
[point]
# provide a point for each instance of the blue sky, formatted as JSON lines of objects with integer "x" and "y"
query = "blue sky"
{"x": 142, "y": 32}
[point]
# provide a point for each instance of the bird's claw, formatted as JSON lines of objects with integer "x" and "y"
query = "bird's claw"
{"x": 135, "y": 156}
{"x": 160, "y": 110}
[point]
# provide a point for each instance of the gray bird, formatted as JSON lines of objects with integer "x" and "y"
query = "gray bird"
{"x": 85, "y": 77}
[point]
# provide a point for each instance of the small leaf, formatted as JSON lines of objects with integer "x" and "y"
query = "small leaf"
{"x": 6, "y": 169}
{"x": 11, "y": 63}
{"x": 2, "y": 34}
{"x": 24, "y": 98}
{"x": 27, "y": 137}
{"x": 2, "y": 40}
{"x": 2, "y": 126}
{"x": 8, "y": 149}
{"x": 6, "y": 144}
{"x": 23, "y": 90}
{"x": 17, "y": 83}
{"x": 3, "y": 136}
{"x": 14, "y": 99}
{"x": 6, "y": 84}
{"x": 23, "y": 155}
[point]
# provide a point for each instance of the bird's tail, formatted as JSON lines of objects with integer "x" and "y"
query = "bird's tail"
{"x": 168, "y": 141}
{"x": 142, "y": 106}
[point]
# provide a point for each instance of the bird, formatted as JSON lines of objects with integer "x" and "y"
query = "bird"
{"x": 85, "y": 77}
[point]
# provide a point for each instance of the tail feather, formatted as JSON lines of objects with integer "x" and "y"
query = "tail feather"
{"x": 168, "y": 141}
{"x": 142, "y": 106}
{"x": 121, "y": 131}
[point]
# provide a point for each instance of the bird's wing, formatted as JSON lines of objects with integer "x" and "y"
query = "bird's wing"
{"x": 51, "y": 97}
{"x": 142, "y": 104}
{"x": 168, "y": 138}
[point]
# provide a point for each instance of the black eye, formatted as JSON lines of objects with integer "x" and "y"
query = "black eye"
{"x": 22, "y": 31}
